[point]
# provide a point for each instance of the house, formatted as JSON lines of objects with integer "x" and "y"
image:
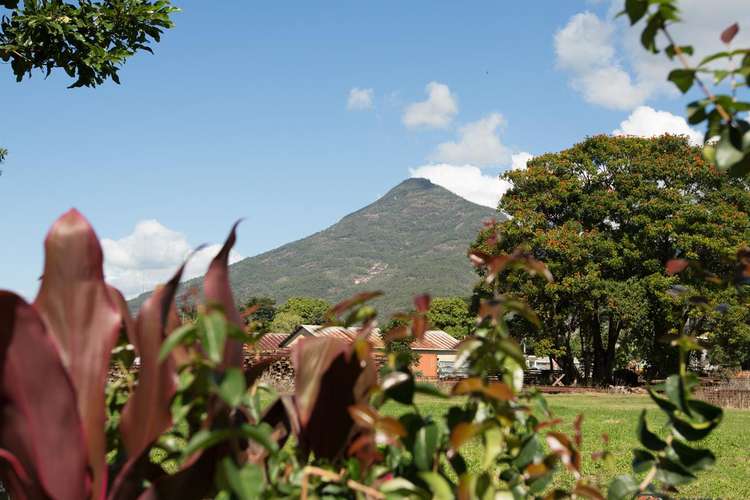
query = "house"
{"x": 434, "y": 348}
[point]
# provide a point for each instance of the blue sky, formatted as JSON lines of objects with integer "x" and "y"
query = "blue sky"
{"x": 243, "y": 112}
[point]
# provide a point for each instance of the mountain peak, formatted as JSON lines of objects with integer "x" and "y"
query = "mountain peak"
{"x": 412, "y": 240}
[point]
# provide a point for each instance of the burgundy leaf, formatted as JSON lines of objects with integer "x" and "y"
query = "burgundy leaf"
{"x": 422, "y": 303}
{"x": 79, "y": 314}
{"x": 127, "y": 320}
{"x": 330, "y": 377}
{"x": 728, "y": 34}
{"x": 41, "y": 436}
{"x": 218, "y": 292}
{"x": 147, "y": 413}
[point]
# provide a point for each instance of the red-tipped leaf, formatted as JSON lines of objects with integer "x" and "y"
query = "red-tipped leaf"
{"x": 147, "y": 414}
{"x": 218, "y": 292}
{"x": 78, "y": 312}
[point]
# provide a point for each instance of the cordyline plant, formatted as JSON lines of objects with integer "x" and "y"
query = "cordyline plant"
{"x": 79, "y": 418}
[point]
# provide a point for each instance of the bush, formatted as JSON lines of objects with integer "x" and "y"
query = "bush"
{"x": 188, "y": 423}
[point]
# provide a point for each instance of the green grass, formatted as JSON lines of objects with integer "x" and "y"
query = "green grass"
{"x": 617, "y": 415}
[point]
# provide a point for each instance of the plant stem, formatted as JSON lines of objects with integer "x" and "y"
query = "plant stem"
{"x": 686, "y": 64}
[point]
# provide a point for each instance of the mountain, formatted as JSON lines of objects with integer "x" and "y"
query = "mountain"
{"x": 412, "y": 240}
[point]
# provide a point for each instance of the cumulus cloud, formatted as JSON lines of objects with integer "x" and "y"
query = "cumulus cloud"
{"x": 518, "y": 161}
{"x": 436, "y": 112}
{"x": 609, "y": 67}
{"x": 585, "y": 48}
{"x": 359, "y": 99}
{"x": 466, "y": 181}
{"x": 648, "y": 122}
{"x": 478, "y": 144}
{"x": 150, "y": 255}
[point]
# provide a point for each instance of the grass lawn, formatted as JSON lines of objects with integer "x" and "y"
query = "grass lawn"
{"x": 617, "y": 415}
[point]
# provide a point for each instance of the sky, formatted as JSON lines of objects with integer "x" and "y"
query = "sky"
{"x": 293, "y": 115}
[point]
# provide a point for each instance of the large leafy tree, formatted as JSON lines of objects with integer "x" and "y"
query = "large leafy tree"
{"x": 606, "y": 216}
{"x": 309, "y": 309}
{"x": 450, "y": 314}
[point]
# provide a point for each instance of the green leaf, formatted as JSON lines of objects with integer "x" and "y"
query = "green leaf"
{"x": 177, "y": 337}
{"x": 713, "y": 57}
{"x": 425, "y": 445}
{"x": 399, "y": 386}
{"x": 532, "y": 451}
{"x": 441, "y": 488}
{"x": 232, "y": 387}
{"x": 642, "y": 461}
{"x": 261, "y": 434}
{"x": 206, "y": 438}
{"x": 682, "y": 78}
{"x": 671, "y": 50}
{"x": 693, "y": 459}
{"x": 672, "y": 473}
{"x": 622, "y": 488}
{"x": 674, "y": 388}
{"x": 214, "y": 335}
{"x": 648, "y": 36}
{"x": 696, "y": 111}
{"x": 247, "y": 483}
{"x": 636, "y": 9}
{"x": 648, "y": 438}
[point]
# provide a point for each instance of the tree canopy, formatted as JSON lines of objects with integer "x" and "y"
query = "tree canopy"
{"x": 310, "y": 310}
{"x": 87, "y": 40}
{"x": 606, "y": 216}
{"x": 450, "y": 314}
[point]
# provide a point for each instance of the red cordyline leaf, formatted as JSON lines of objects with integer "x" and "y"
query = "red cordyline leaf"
{"x": 42, "y": 446}
{"x": 422, "y": 303}
{"x": 329, "y": 378}
{"x": 79, "y": 314}
{"x": 217, "y": 291}
{"x": 147, "y": 413}
{"x": 728, "y": 34}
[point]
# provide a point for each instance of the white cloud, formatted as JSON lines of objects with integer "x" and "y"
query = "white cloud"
{"x": 478, "y": 144}
{"x": 585, "y": 48}
{"x": 359, "y": 99}
{"x": 466, "y": 181}
{"x": 436, "y": 112}
{"x": 648, "y": 122}
{"x": 610, "y": 68}
{"x": 150, "y": 255}
{"x": 518, "y": 161}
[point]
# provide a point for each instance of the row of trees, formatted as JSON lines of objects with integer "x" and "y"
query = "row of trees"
{"x": 606, "y": 216}
{"x": 450, "y": 314}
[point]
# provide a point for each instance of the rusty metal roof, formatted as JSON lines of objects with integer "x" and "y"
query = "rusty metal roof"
{"x": 433, "y": 340}
{"x": 270, "y": 341}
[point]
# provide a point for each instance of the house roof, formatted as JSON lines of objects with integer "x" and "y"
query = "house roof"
{"x": 270, "y": 341}
{"x": 433, "y": 340}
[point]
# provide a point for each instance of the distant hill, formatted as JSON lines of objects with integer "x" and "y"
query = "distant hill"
{"x": 412, "y": 240}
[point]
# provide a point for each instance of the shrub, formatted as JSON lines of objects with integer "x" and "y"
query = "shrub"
{"x": 189, "y": 423}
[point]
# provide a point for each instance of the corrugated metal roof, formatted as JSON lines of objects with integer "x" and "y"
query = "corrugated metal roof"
{"x": 270, "y": 341}
{"x": 433, "y": 340}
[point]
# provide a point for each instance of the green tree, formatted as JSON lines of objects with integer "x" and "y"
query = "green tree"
{"x": 285, "y": 322}
{"x": 312, "y": 311}
{"x": 263, "y": 315}
{"x": 450, "y": 314}
{"x": 89, "y": 40}
{"x": 606, "y": 216}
